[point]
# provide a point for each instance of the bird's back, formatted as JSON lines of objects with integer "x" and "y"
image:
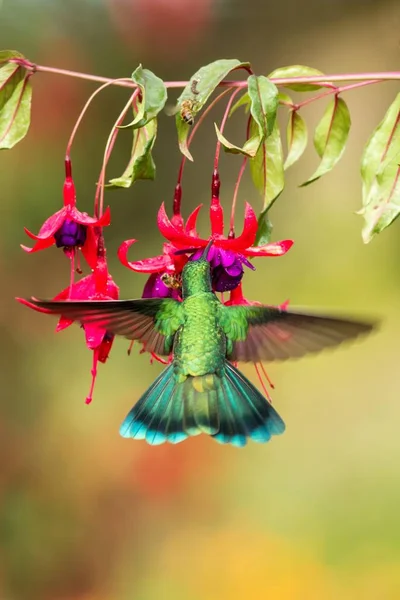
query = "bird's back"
{"x": 200, "y": 345}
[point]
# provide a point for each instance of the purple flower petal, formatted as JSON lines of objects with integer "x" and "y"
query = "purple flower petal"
{"x": 228, "y": 258}
{"x": 246, "y": 262}
{"x": 235, "y": 270}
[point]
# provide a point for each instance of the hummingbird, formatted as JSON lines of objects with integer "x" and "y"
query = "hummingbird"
{"x": 201, "y": 390}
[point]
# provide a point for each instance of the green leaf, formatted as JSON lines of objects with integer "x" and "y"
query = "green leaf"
{"x": 141, "y": 164}
{"x": 297, "y": 71}
{"x": 6, "y": 55}
{"x": 297, "y": 136}
{"x": 249, "y": 148}
{"x": 380, "y": 173}
{"x": 15, "y": 108}
{"x": 153, "y": 97}
{"x": 267, "y": 166}
{"x": 331, "y": 136}
{"x": 264, "y": 230}
{"x": 10, "y": 75}
{"x": 197, "y": 92}
{"x": 243, "y": 101}
{"x": 264, "y": 103}
{"x": 381, "y": 147}
{"x": 385, "y": 206}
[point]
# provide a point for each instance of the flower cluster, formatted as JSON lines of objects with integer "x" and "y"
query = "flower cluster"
{"x": 75, "y": 232}
{"x": 228, "y": 256}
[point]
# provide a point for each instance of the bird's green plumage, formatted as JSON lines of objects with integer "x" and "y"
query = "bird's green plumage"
{"x": 201, "y": 391}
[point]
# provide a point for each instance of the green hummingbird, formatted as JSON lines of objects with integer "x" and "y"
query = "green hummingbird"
{"x": 201, "y": 391}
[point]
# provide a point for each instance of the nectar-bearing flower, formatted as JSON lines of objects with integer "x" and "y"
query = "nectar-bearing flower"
{"x": 165, "y": 269}
{"x": 69, "y": 228}
{"x": 228, "y": 255}
{"x": 98, "y": 286}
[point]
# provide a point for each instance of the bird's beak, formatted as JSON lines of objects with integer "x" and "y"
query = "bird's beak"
{"x": 207, "y": 249}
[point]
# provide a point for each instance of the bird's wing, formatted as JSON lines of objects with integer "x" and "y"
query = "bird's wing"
{"x": 257, "y": 333}
{"x": 152, "y": 321}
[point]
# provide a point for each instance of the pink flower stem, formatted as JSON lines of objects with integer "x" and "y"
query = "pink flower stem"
{"x": 197, "y": 125}
{"x": 335, "y": 90}
{"x": 223, "y": 123}
{"x": 99, "y": 196}
{"x": 126, "y": 82}
{"x": 83, "y": 111}
{"x": 237, "y": 184}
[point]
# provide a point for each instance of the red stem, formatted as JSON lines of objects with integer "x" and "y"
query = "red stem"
{"x": 237, "y": 184}
{"x": 335, "y": 90}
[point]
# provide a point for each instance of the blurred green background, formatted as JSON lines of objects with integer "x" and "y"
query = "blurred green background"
{"x": 87, "y": 515}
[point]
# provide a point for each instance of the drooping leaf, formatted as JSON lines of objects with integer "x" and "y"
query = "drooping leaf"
{"x": 244, "y": 100}
{"x": 330, "y": 137}
{"x": 264, "y": 103}
{"x": 381, "y": 147}
{"x": 384, "y": 207}
{"x": 15, "y": 107}
{"x": 249, "y": 148}
{"x": 297, "y": 71}
{"x": 380, "y": 172}
{"x": 297, "y": 136}
{"x": 264, "y": 229}
{"x": 267, "y": 166}
{"x": 153, "y": 96}
{"x": 198, "y": 90}
{"x": 141, "y": 164}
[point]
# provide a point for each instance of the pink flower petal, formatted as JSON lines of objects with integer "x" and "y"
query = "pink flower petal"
{"x": 50, "y": 226}
{"x": 148, "y": 265}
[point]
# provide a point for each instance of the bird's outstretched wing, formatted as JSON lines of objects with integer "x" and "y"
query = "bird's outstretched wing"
{"x": 257, "y": 333}
{"x": 152, "y": 321}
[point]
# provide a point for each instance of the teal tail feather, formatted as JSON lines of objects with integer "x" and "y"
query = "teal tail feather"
{"x": 229, "y": 408}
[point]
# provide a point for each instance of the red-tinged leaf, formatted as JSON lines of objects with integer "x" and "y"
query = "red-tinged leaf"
{"x": 296, "y": 71}
{"x": 384, "y": 207}
{"x": 196, "y": 93}
{"x": 141, "y": 164}
{"x": 330, "y": 137}
{"x": 267, "y": 167}
{"x": 7, "y": 55}
{"x": 264, "y": 229}
{"x": 381, "y": 148}
{"x": 153, "y": 97}
{"x": 297, "y": 137}
{"x": 15, "y": 109}
{"x": 264, "y": 103}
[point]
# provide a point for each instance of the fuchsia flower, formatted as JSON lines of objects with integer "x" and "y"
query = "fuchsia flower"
{"x": 228, "y": 255}
{"x": 69, "y": 228}
{"x": 99, "y": 285}
{"x": 167, "y": 264}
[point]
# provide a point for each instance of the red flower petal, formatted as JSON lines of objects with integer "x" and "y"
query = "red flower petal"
{"x": 94, "y": 336}
{"x": 84, "y": 219}
{"x": 191, "y": 221}
{"x": 274, "y": 249}
{"x": 40, "y": 244}
{"x": 216, "y": 217}
{"x": 148, "y": 265}
{"x": 248, "y": 235}
{"x": 89, "y": 248}
{"x": 50, "y": 226}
